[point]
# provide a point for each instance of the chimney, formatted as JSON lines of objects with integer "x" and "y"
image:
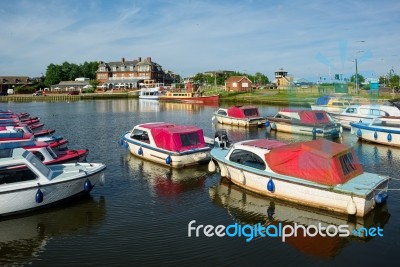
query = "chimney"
{"x": 139, "y": 59}
{"x": 149, "y": 59}
{"x": 123, "y": 60}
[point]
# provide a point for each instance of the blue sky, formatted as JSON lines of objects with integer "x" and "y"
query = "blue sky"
{"x": 308, "y": 39}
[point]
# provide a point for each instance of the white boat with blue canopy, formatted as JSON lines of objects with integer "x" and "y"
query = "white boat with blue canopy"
{"x": 318, "y": 173}
{"x": 36, "y": 185}
{"x": 382, "y": 130}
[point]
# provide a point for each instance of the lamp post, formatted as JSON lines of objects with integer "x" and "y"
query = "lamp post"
{"x": 356, "y": 78}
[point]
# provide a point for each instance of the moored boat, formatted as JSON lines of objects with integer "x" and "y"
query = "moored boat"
{"x": 307, "y": 122}
{"x": 168, "y": 144}
{"x": 330, "y": 104}
{"x": 245, "y": 116}
{"x": 56, "y": 142}
{"x": 26, "y": 129}
{"x": 189, "y": 97}
{"x": 382, "y": 130}
{"x": 37, "y": 185}
{"x": 318, "y": 173}
{"x": 364, "y": 113}
{"x": 46, "y": 154}
{"x": 153, "y": 92}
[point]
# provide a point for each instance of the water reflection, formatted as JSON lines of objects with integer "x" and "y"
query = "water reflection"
{"x": 237, "y": 133}
{"x": 250, "y": 208}
{"x": 164, "y": 181}
{"x": 148, "y": 105}
{"x": 22, "y": 238}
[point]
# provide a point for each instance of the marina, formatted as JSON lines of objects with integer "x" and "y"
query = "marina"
{"x": 141, "y": 214}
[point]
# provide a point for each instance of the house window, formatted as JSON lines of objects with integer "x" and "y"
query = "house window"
{"x": 102, "y": 69}
{"x": 131, "y": 68}
{"x": 114, "y": 68}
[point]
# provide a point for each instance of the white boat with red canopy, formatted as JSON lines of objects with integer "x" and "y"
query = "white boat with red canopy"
{"x": 239, "y": 115}
{"x": 307, "y": 122}
{"x": 317, "y": 173}
{"x": 168, "y": 144}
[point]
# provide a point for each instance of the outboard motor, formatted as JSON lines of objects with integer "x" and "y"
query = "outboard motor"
{"x": 221, "y": 139}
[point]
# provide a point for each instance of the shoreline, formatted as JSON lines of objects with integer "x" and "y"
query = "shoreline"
{"x": 284, "y": 98}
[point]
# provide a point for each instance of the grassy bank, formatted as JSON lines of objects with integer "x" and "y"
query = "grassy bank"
{"x": 294, "y": 97}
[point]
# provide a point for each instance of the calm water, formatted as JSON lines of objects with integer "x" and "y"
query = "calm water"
{"x": 140, "y": 216}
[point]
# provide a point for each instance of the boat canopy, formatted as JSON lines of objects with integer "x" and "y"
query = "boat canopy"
{"x": 314, "y": 116}
{"x": 322, "y": 100}
{"x": 176, "y": 138}
{"x": 243, "y": 112}
{"x": 320, "y": 161}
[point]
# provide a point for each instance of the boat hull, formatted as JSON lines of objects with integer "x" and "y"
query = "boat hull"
{"x": 345, "y": 120}
{"x": 214, "y": 99}
{"x": 331, "y": 198}
{"x": 178, "y": 160}
{"x": 246, "y": 122}
{"x": 332, "y": 131}
{"x": 377, "y": 135}
{"x": 23, "y": 200}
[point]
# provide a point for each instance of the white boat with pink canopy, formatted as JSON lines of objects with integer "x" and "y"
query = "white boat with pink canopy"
{"x": 318, "y": 173}
{"x": 167, "y": 143}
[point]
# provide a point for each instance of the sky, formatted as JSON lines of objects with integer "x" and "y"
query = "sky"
{"x": 308, "y": 39}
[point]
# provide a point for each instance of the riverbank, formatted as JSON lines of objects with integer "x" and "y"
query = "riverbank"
{"x": 299, "y": 97}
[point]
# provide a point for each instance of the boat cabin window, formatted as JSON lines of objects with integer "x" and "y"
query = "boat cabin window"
{"x": 140, "y": 135}
{"x": 347, "y": 163}
{"x": 247, "y": 158}
{"x": 338, "y": 104}
{"x": 222, "y": 112}
{"x": 372, "y": 111}
{"x": 386, "y": 123}
{"x": 351, "y": 110}
{"x": 190, "y": 139}
{"x": 38, "y": 154}
{"x": 17, "y": 175}
{"x": 250, "y": 112}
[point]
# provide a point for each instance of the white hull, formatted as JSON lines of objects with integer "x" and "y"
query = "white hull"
{"x": 149, "y": 97}
{"x": 178, "y": 160}
{"x": 23, "y": 199}
{"x": 247, "y": 122}
{"x": 345, "y": 120}
{"x": 377, "y": 136}
{"x": 333, "y": 109}
{"x": 306, "y": 130}
{"x": 318, "y": 197}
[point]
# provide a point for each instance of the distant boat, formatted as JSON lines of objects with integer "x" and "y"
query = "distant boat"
{"x": 190, "y": 97}
{"x": 306, "y": 122}
{"x": 330, "y": 104}
{"x": 245, "y": 116}
{"x": 381, "y": 130}
{"x": 152, "y": 93}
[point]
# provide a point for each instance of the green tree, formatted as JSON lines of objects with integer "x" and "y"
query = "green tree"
{"x": 360, "y": 79}
{"x": 392, "y": 79}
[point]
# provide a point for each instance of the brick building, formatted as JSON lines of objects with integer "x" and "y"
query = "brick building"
{"x": 127, "y": 74}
